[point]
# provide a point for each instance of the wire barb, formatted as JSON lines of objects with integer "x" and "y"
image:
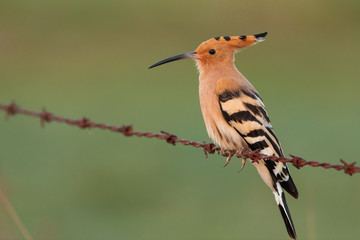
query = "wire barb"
{"x": 208, "y": 148}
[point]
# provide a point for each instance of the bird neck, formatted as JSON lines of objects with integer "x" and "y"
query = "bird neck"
{"x": 209, "y": 73}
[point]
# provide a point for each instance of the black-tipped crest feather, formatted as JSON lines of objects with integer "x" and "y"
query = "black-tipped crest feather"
{"x": 261, "y": 35}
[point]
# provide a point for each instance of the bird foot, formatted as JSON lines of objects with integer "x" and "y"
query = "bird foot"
{"x": 242, "y": 153}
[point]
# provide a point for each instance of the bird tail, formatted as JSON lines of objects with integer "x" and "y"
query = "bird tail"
{"x": 285, "y": 213}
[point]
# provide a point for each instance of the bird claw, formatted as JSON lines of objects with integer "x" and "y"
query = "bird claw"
{"x": 243, "y": 164}
{"x": 243, "y": 153}
{"x": 228, "y": 159}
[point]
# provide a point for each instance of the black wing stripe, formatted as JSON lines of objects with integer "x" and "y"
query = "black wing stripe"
{"x": 258, "y": 145}
{"x": 260, "y": 111}
{"x": 243, "y": 116}
{"x": 256, "y": 133}
{"x": 254, "y": 109}
{"x": 228, "y": 95}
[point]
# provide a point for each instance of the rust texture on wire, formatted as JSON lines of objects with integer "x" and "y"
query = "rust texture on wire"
{"x": 209, "y": 148}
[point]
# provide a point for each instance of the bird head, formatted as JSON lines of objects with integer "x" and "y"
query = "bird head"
{"x": 217, "y": 50}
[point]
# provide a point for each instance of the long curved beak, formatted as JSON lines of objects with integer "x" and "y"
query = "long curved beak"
{"x": 174, "y": 58}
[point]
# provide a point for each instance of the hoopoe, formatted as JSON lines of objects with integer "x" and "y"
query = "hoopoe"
{"x": 235, "y": 115}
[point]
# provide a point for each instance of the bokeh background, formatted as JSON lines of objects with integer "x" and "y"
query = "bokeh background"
{"x": 90, "y": 58}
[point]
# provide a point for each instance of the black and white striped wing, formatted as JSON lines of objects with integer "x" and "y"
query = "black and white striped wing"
{"x": 245, "y": 112}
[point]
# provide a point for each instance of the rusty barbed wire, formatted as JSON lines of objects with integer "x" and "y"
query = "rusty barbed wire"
{"x": 209, "y": 148}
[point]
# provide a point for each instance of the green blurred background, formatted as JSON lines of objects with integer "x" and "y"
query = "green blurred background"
{"x": 90, "y": 58}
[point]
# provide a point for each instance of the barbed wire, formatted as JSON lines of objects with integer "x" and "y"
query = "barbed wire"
{"x": 209, "y": 148}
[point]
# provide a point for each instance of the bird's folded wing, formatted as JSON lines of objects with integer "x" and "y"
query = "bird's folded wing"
{"x": 244, "y": 110}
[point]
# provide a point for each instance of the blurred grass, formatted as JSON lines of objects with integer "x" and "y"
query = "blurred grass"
{"x": 90, "y": 58}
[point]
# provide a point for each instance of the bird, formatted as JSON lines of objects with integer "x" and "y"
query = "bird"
{"x": 234, "y": 113}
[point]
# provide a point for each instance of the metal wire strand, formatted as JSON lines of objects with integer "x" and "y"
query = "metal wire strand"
{"x": 209, "y": 148}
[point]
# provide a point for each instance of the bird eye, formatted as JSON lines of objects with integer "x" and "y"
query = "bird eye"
{"x": 212, "y": 51}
